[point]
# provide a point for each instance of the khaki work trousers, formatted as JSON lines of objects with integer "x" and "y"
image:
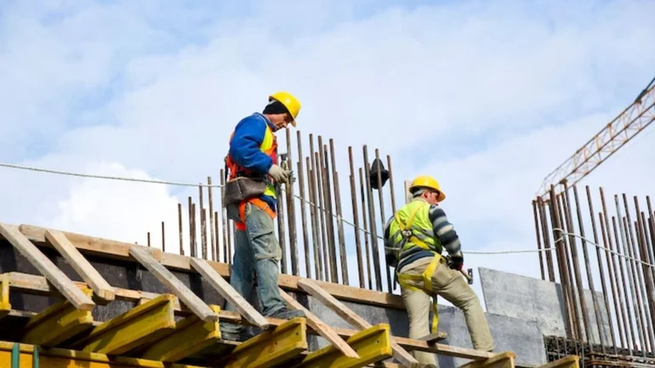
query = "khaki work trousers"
{"x": 450, "y": 285}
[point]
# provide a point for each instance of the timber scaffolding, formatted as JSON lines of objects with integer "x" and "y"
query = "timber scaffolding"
{"x": 623, "y": 312}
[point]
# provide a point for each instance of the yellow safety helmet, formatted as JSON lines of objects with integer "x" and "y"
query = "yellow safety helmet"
{"x": 425, "y": 181}
{"x": 289, "y": 101}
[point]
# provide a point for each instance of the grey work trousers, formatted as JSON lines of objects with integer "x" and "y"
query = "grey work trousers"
{"x": 450, "y": 285}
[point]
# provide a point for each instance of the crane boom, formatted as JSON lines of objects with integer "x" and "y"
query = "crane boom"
{"x": 605, "y": 143}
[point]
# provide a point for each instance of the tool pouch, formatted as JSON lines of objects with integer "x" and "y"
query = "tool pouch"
{"x": 242, "y": 188}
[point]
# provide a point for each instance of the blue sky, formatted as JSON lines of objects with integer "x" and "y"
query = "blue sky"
{"x": 488, "y": 97}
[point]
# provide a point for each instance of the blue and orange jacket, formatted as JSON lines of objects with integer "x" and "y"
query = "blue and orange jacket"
{"x": 253, "y": 148}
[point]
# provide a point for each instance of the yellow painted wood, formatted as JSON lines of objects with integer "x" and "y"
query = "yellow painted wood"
{"x": 571, "y": 361}
{"x": 64, "y": 358}
{"x": 5, "y": 306}
{"x": 372, "y": 345}
{"x": 190, "y": 336}
{"x": 271, "y": 347}
{"x": 57, "y": 323}
{"x": 500, "y": 360}
{"x": 141, "y": 325}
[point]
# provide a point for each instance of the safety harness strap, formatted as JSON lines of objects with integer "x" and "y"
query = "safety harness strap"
{"x": 242, "y": 211}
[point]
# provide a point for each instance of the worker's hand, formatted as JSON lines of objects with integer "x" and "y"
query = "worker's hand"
{"x": 279, "y": 174}
{"x": 457, "y": 261}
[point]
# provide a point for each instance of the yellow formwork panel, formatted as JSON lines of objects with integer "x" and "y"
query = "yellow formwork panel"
{"x": 141, "y": 325}
{"x": 271, "y": 347}
{"x": 57, "y": 323}
{"x": 190, "y": 336}
{"x": 5, "y": 307}
{"x": 64, "y": 358}
{"x": 372, "y": 345}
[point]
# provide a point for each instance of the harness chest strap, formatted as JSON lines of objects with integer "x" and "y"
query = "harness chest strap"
{"x": 242, "y": 211}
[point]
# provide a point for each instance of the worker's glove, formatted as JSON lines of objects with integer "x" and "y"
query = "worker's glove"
{"x": 279, "y": 174}
{"x": 456, "y": 261}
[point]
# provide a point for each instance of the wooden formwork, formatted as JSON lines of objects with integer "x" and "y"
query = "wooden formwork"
{"x": 178, "y": 327}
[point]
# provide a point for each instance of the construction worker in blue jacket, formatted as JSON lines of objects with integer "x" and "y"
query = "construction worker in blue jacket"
{"x": 253, "y": 154}
{"x": 415, "y": 237}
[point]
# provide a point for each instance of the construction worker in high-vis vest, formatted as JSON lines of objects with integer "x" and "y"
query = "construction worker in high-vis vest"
{"x": 253, "y": 155}
{"x": 415, "y": 237}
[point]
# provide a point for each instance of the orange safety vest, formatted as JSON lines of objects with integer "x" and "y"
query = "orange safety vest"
{"x": 269, "y": 147}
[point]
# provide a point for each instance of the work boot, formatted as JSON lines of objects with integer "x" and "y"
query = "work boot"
{"x": 285, "y": 313}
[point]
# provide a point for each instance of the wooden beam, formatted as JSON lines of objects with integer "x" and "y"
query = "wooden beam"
{"x": 81, "y": 265}
{"x": 119, "y": 250}
{"x": 190, "y": 336}
{"x": 270, "y": 348}
{"x": 57, "y": 323}
{"x": 571, "y": 361}
{"x": 227, "y": 291}
{"x": 138, "y": 326}
{"x": 166, "y": 277}
{"x": 501, "y": 360}
{"x": 373, "y": 345}
{"x": 38, "y": 285}
{"x": 351, "y": 317}
{"x": 46, "y": 267}
{"x": 324, "y": 330}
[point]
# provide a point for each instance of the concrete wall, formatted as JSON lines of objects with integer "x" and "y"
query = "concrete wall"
{"x": 535, "y": 300}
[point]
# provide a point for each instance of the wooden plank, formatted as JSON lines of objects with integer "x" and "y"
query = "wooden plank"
{"x": 373, "y": 345}
{"x": 351, "y": 317}
{"x": 119, "y": 250}
{"x": 65, "y": 358}
{"x": 190, "y": 336}
{"x": 501, "y": 360}
{"x": 166, "y": 277}
{"x": 228, "y": 292}
{"x": 57, "y": 323}
{"x": 46, "y": 267}
{"x": 432, "y": 338}
{"x": 270, "y": 348}
{"x": 571, "y": 361}
{"x": 81, "y": 265}
{"x": 39, "y": 285}
{"x": 138, "y": 326}
{"x": 324, "y": 330}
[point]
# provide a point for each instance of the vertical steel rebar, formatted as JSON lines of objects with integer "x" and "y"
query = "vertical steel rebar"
{"x": 195, "y": 230}
{"x": 148, "y": 241}
{"x": 590, "y": 279}
{"x": 626, "y": 293}
{"x": 558, "y": 239}
{"x": 383, "y": 217}
{"x": 218, "y": 248}
{"x": 647, "y": 286}
{"x": 291, "y": 211}
{"x": 317, "y": 200}
{"x": 224, "y": 222}
{"x": 180, "y": 229}
{"x": 303, "y": 210}
{"x": 329, "y": 219}
{"x": 364, "y": 223}
{"x": 337, "y": 201}
{"x": 323, "y": 216}
{"x": 392, "y": 194}
{"x": 211, "y": 218}
{"x": 602, "y": 272}
{"x": 536, "y": 231}
{"x": 650, "y": 282}
{"x": 163, "y": 237}
{"x": 203, "y": 222}
{"x": 634, "y": 285}
{"x": 576, "y": 265}
{"x": 191, "y": 238}
{"x": 372, "y": 221}
{"x": 281, "y": 230}
{"x": 353, "y": 197}
{"x": 316, "y": 238}
{"x": 546, "y": 237}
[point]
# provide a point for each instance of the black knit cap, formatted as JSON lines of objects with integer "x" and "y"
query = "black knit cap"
{"x": 275, "y": 107}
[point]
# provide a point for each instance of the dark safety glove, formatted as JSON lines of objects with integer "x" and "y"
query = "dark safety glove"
{"x": 456, "y": 261}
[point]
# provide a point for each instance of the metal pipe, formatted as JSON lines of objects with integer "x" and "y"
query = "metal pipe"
{"x": 303, "y": 211}
{"x": 371, "y": 211}
{"x": 179, "y": 224}
{"x": 337, "y": 200}
{"x": 211, "y": 218}
{"x": 364, "y": 222}
{"x": 590, "y": 279}
{"x": 353, "y": 197}
{"x": 619, "y": 285}
{"x": 602, "y": 273}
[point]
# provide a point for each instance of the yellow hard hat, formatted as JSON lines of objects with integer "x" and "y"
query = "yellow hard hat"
{"x": 425, "y": 181}
{"x": 289, "y": 101}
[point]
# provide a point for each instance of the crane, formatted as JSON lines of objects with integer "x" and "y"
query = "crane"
{"x": 630, "y": 122}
